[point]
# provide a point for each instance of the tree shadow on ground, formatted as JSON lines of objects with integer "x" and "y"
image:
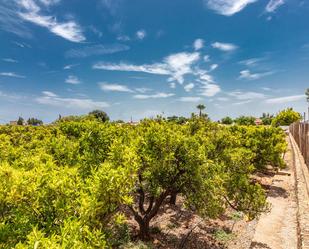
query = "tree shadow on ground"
{"x": 259, "y": 245}
{"x": 274, "y": 191}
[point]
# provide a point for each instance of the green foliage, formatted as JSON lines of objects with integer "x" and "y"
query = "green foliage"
{"x": 20, "y": 121}
{"x": 286, "y": 117}
{"x": 266, "y": 143}
{"x": 267, "y": 118}
{"x": 177, "y": 120}
{"x": 201, "y": 108}
{"x": 245, "y": 120}
{"x": 99, "y": 115}
{"x": 227, "y": 120}
{"x": 34, "y": 121}
{"x": 72, "y": 184}
{"x": 223, "y": 236}
{"x": 307, "y": 94}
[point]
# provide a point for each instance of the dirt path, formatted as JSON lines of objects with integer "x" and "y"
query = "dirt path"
{"x": 278, "y": 228}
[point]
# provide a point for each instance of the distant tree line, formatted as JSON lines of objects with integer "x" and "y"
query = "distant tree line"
{"x": 283, "y": 118}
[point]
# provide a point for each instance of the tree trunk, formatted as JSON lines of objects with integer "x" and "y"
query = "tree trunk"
{"x": 144, "y": 233}
{"x": 173, "y": 198}
{"x": 143, "y": 219}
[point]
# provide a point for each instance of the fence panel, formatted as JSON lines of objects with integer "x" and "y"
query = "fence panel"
{"x": 300, "y": 132}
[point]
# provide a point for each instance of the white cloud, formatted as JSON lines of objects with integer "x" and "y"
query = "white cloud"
{"x": 189, "y": 87}
{"x": 286, "y": 99}
{"x": 9, "y": 60}
{"x": 210, "y": 89}
{"x": 49, "y": 2}
{"x": 226, "y": 47}
{"x": 204, "y": 76}
{"x": 70, "y": 66}
{"x": 11, "y": 74}
{"x": 242, "y": 102}
{"x": 21, "y": 45}
{"x": 49, "y": 94}
{"x": 190, "y": 99}
{"x": 114, "y": 87}
{"x": 198, "y": 44}
{"x": 49, "y": 98}
{"x": 142, "y": 89}
{"x": 71, "y": 79}
{"x": 172, "y": 85}
{"x": 251, "y": 62}
{"x": 206, "y": 58}
{"x": 223, "y": 99}
{"x": 153, "y": 96}
{"x": 227, "y": 7}
{"x": 157, "y": 68}
{"x": 247, "y": 95}
{"x": 141, "y": 34}
{"x": 273, "y": 5}
{"x": 180, "y": 64}
{"x": 68, "y": 30}
{"x": 123, "y": 38}
{"x": 246, "y": 74}
{"x": 175, "y": 65}
{"x": 213, "y": 67}
{"x": 96, "y": 50}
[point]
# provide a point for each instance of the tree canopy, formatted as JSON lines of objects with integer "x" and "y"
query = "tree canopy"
{"x": 286, "y": 117}
{"x": 99, "y": 115}
{"x": 74, "y": 183}
{"x": 227, "y": 120}
{"x": 34, "y": 121}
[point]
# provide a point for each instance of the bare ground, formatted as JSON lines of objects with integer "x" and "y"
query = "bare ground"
{"x": 276, "y": 229}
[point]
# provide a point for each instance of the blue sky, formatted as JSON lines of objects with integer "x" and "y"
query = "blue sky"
{"x": 137, "y": 58}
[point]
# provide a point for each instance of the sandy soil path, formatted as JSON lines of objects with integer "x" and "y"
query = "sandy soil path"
{"x": 278, "y": 228}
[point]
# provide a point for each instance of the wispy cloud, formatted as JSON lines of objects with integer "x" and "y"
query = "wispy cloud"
{"x": 213, "y": 67}
{"x": 52, "y": 99}
{"x": 123, "y": 38}
{"x": 96, "y": 50}
{"x": 31, "y": 12}
{"x": 286, "y": 99}
{"x": 224, "y": 99}
{"x": 11, "y": 74}
{"x": 21, "y": 44}
{"x": 227, "y": 7}
{"x": 190, "y": 99}
{"x": 189, "y": 87}
{"x": 108, "y": 87}
{"x": 172, "y": 85}
{"x": 141, "y": 34}
{"x": 175, "y": 65}
{"x": 70, "y": 66}
{"x": 246, "y": 74}
{"x": 198, "y": 44}
{"x": 242, "y": 102}
{"x": 251, "y": 62}
{"x": 11, "y": 96}
{"x": 206, "y": 58}
{"x": 9, "y": 60}
{"x": 209, "y": 89}
{"x": 226, "y": 47}
{"x": 153, "y": 96}
{"x": 71, "y": 79}
{"x": 10, "y": 22}
{"x": 247, "y": 95}
{"x": 142, "y": 89}
{"x": 273, "y": 5}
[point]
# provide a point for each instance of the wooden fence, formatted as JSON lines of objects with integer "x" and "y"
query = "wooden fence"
{"x": 300, "y": 132}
